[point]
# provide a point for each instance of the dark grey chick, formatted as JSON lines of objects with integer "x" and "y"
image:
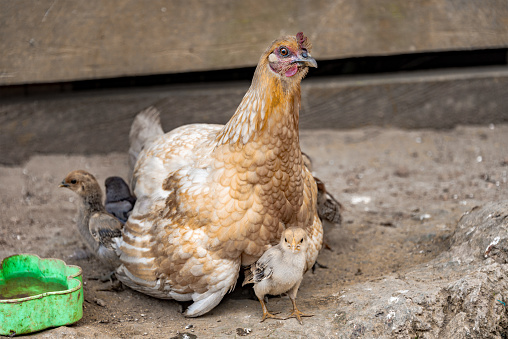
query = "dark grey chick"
{"x": 119, "y": 200}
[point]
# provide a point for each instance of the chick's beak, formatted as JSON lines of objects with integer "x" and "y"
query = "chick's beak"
{"x": 293, "y": 246}
{"x": 63, "y": 184}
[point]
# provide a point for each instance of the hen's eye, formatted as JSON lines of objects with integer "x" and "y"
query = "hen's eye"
{"x": 73, "y": 181}
{"x": 284, "y": 51}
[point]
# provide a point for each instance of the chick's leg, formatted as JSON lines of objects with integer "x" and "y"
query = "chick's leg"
{"x": 267, "y": 314}
{"x": 296, "y": 312}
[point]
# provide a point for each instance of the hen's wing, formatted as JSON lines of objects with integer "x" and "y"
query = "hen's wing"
{"x": 183, "y": 147}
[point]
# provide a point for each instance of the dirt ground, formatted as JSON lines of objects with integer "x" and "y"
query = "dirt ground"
{"x": 403, "y": 193}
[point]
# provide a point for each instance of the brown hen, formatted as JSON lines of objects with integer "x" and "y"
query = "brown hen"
{"x": 214, "y": 197}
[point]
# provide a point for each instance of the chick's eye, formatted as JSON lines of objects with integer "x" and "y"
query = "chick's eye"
{"x": 286, "y": 240}
{"x": 284, "y": 51}
{"x": 73, "y": 181}
{"x": 301, "y": 241}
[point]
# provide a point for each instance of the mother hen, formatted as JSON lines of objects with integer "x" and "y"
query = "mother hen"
{"x": 214, "y": 197}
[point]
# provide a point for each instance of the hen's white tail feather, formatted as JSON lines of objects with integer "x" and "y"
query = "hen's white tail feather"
{"x": 200, "y": 307}
{"x": 145, "y": 128}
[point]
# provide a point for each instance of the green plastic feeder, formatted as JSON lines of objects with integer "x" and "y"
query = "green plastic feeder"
{"x": 38, "y": 293}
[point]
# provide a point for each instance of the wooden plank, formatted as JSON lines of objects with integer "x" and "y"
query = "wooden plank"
{"x": 53, "y": 41}
{"x": 426, "y": 99}
{"x": 99, "y": 121}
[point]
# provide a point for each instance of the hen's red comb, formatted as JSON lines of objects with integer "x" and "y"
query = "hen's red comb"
{"x": 303, "y": 42}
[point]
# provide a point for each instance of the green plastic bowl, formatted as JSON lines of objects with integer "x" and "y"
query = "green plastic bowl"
{"x": 38, "y": 293}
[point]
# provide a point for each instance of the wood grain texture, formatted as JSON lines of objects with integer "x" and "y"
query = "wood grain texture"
{"x": 99, "y": 121}
{"x": 53, "y": 41}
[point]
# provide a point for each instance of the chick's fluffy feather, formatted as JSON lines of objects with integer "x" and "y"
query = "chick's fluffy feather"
{"x": 213, "y": 197}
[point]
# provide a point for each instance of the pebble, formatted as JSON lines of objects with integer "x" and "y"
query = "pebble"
{"x": 100, "y": 302}
{"x": 243, "y": 331}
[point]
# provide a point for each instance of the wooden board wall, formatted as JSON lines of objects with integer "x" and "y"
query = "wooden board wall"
{"x": 99, "y": 121}
{"x": 48, "y": 41}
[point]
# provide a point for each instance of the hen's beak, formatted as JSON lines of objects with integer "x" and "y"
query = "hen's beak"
{"x": 63, "y": 184}
{"x": 306, "y": 60}
{"x": 311, "y": 62}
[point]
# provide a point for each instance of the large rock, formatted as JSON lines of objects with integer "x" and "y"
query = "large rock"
{"x": 460, "y": 294}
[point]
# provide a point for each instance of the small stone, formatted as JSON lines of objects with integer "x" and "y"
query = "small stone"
{"x": 243, "y": 331}
{"x": 15, "y": 220}
{"x": 100, "y": 302}
{"x": 402, "y": 172}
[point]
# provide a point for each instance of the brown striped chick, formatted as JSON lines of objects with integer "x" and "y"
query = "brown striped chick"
{"x": 280, "y": 269}
{"x": 98, "y": 228}
{"x": 327, "y": 206}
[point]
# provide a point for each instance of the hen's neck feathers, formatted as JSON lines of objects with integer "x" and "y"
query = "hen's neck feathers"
{"x": 270, "y": 102}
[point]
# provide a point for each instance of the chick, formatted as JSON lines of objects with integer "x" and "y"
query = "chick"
{"x": 98, "y": 228}
{"x": 328, "y": 207}
{"x": 280, "y": 269}
{"x": 119, "y": 200}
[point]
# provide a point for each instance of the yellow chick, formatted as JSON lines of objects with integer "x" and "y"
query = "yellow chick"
{"x": 280, "y": 269}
